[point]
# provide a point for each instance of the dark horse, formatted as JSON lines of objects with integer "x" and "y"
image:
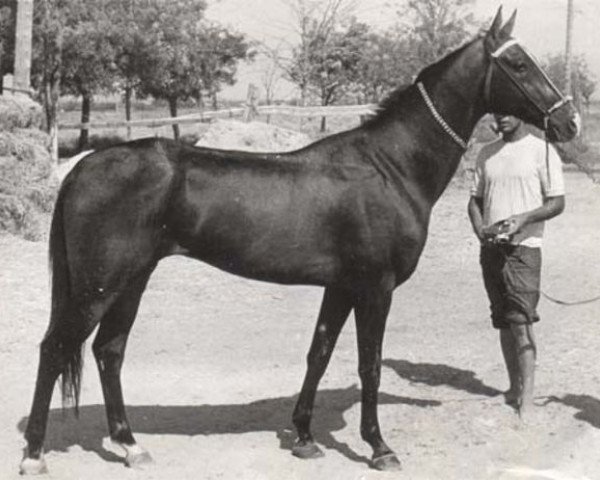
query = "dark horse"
{"x": 349, "y": 212}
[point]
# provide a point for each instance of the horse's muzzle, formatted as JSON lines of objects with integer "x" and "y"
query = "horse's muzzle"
{"x": 564, "y": 123}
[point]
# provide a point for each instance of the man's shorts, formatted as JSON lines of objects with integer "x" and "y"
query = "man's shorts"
{"x": 511, "y": 274}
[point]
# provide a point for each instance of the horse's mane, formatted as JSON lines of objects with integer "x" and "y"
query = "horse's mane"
{"x": 439, "y": 66}
{"x": 390, "y": 103}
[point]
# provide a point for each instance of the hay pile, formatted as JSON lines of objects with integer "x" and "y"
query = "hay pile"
{"x": 251, "y": 136}
{"x": 27, "y": 184}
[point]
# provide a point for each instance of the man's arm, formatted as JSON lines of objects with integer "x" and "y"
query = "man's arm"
{"x": 552, "y": 207}
{"x": 475, "y": 209}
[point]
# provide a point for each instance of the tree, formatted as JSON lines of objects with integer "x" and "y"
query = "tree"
{"x": 72, "y": 54}
{"x": 52, "y": 19}
{"x": 334, "y": 61}
{"x": 583, "y": 83}
{"x": 165, "y": 67}
{"x": 218, "y": 53}
{"x": 7, "y": 36}
{"x": 316, "y": 22}
{"x": 437, "y": 27}
{"x": 87, "y": 64}
{"x": 129, "y": 38}
{"x": 271, "y": 73}
{"x": 386, "y": 61}
{"x": 186, "y": 57}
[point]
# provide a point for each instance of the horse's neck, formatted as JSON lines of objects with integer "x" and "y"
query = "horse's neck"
{"x": 433, "y": 154}
{"x": 459, "y": 102}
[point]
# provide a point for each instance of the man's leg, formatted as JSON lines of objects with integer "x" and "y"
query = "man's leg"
{"x": 526, "y": 353}
{"x": 492, "y": 262}
{"x": 509, "y": 351}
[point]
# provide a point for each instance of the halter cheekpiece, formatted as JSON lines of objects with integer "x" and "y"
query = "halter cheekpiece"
{"x": 495, "y": 61}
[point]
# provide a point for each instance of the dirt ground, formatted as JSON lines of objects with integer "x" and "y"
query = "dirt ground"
{"x": 215, "y": 362}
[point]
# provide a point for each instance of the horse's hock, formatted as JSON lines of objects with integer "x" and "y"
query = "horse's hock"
{"x": 27, "y": 185}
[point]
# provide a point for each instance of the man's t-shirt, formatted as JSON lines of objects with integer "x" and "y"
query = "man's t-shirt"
{"x": 511, "y": 178}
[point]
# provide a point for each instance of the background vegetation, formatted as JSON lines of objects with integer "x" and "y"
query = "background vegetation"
{"x": 170, "y": 53}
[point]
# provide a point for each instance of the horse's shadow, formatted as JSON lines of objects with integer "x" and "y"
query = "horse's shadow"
{"x": 436, "y": 375}
{"x": 271, "y": 415}
{"x": 588, "y": 406}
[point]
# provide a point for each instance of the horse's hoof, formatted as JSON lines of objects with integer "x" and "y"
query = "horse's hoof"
{"x": 307, "y": 450}
{"x": 387, "y": 463}
{"x": 139, "y": 460}
{"x": 33, "y": 466}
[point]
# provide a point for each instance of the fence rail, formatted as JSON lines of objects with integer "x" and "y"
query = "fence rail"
{"x": 304, "y": 112}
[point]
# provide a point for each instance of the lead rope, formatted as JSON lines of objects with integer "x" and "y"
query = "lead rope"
{"x": 549, "y": 297}
{"x": 546, "y": 119}
{"x": 569, "y": 303}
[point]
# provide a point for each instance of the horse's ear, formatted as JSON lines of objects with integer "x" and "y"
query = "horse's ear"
{"x": 497, "y": 23}
{"x": 508, "y": 28}
{"x": 493, "y": 33}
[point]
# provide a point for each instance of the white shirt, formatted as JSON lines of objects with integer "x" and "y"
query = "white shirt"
{"x": 512, "y": 178}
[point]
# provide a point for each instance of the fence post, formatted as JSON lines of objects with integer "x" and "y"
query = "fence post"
{"x": 22, "y": 65}
{"x": 251, "y": 110}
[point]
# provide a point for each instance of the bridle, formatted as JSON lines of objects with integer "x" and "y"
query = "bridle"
{"x": 497, "y": 61}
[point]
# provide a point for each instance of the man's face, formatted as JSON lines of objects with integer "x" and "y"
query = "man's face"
{"x": 507, "y": 123}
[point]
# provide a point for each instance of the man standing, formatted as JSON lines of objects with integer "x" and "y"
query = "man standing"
{"x": 518, "y": 185}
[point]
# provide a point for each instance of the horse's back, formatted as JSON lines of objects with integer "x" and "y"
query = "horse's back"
{"x": 315, "y": 216}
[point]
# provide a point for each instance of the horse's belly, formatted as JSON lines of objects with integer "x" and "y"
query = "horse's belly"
{"x": 281, "y": 252}
{"x": 279, "y": 265}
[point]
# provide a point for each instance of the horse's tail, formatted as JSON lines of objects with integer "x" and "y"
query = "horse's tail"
{"x": 64, "y": 329}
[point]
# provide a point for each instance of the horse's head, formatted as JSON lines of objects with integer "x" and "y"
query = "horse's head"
{"x": 516, "y": 85}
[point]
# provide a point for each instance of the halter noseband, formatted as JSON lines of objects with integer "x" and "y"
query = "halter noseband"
{"x": 495, "y": 60}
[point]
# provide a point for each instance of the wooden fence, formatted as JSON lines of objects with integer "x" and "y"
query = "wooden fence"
{"x": 301, "y": 112}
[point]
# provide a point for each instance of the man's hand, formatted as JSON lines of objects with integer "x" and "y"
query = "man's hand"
{"x": 504, "y": 230}
{"x": 513, "y": 224}
{"x": 489, "y": 233}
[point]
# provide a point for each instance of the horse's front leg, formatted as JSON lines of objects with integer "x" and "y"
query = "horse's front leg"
{"x": 371, "y": 311}
{"x": 335, "y": 309}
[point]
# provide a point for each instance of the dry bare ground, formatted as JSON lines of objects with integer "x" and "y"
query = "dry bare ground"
{"x": 215, "y": 362}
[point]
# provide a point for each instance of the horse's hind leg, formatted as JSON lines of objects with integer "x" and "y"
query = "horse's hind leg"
{"x": 109, "y": 348}
{"x": 335, "y": 309}
{"x": 50, "y": 367}
{"x": 58, "y": 345}
{"x": 371, "y": 312}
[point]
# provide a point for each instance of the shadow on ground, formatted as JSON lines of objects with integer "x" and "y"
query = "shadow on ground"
{"x": 588, "y": 406}
{"x": 436, "y": 375}
{"x": 272, "y": 414}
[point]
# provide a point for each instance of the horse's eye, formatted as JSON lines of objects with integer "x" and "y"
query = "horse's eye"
{"x": 521, "y": 67}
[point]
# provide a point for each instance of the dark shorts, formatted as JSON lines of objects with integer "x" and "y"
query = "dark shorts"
{"x": 511, "y": 274}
